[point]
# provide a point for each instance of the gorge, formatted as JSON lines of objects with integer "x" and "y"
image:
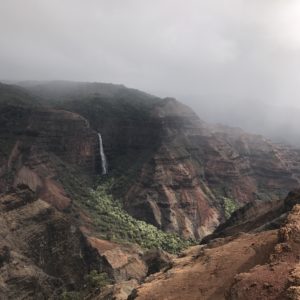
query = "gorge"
{"x": 173, "y": 180}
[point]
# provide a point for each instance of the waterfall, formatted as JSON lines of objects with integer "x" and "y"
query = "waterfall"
{"x": 102, "y": 155}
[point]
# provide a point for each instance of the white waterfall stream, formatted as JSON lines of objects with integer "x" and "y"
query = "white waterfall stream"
{"x": 102, "y": 155}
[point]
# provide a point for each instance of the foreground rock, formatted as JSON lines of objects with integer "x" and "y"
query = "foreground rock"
{"x": 120, "y": 261}
{"x": 256, "y": 216}
{"x": 119, "y": 291}
{"x": 263, "y": 265}
{"x": 41, "y": 252}
{"x": 44, "y": 253}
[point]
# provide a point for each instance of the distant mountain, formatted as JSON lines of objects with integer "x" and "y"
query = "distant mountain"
{"x": 16, "y": 96}
{"x": 69, "y": 90}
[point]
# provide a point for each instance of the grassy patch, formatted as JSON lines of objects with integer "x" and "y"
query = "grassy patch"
{"x": 229, "y": 207}
{"x": 72, "y": 295}
{"x": 96, "y": 280}
{"x": 93, "y": 282}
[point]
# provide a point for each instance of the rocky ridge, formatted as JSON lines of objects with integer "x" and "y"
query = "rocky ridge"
{"x": 247, "y": 265}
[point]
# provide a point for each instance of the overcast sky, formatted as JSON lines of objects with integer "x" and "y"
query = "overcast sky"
{"x": 243, "y": 52}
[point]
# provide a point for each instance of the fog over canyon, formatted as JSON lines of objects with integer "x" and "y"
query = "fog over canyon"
{"x": 149, "y": 150}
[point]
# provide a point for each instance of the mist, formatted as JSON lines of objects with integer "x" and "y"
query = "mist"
{"x": 235, "y": 62}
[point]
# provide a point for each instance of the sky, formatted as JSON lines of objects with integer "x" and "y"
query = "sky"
{"x": 233, "y": 61}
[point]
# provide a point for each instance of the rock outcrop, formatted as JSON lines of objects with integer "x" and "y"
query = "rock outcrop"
{"x": 120, "y": 261}
{"x": 39, "y": 147}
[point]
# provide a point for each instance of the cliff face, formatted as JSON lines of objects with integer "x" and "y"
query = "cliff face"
{"x": 44, "y": 252}
{"x": 49, "y": 243}
{"x": 37, "y": 144}
{"x": 167, "y": 167}
{"x": 198, "y": 170}
{"x": 41, "y": 251}
{"x": 172, "y": 169}
{"x": 170, "y": 192}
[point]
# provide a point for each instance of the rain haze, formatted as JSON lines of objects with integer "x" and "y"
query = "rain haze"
{"x": 235, "y": 62}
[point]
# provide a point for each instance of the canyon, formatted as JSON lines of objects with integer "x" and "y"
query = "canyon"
{"x": 185, "y": 174}
{"x": 164, "y": 166}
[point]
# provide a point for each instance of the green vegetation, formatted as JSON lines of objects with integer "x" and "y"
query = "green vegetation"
{"x": 72, "y": 295}
{"x": 92, "y": 282}
{"x": 112, "y": 222}
{"x": 96, "y": 280}
{"x": 105, "y": 104}
{"x": 116, "y": 224}
{"x": 12, "y": 95}
{"x": 229, "y": 207}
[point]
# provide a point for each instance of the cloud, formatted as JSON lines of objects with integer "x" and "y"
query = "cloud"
{"x": 224, "y": 52}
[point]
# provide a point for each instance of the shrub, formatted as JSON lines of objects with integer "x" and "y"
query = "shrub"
{"x": 229, "y": 207}
{"x": 116, "y": 224}
{"x": 70, "y": 296}
{"x": 97, "y": 280}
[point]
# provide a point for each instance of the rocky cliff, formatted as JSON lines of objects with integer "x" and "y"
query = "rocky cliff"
{"x": 171, "y": 169}
{"x": 38, "y": 143}
{"x": 45, "y": 254}
{"x": 199, "y": 172}
{"x": 51, "y": 243}
{"x": 42, "y": 252}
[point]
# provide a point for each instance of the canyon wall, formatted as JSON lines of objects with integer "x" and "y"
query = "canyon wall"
{"x": 176, "y": 171}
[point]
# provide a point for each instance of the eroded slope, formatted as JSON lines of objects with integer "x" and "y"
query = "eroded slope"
{"x": 263, "y": 265}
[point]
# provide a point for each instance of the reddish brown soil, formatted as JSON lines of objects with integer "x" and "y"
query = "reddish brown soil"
{"x": 258, "y": 266}
{"x": 206, "y": 273}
